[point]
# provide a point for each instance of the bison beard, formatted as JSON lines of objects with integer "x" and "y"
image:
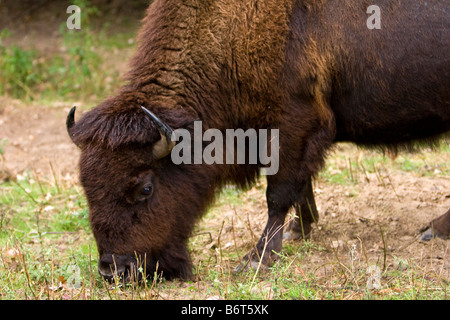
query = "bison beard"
{"x": 311, "y": 69}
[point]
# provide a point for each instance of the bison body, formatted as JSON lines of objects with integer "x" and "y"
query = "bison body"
{"x": 311, "y": 69}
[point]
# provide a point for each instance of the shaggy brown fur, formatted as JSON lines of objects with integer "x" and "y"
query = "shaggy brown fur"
{"x": 311, "y": 69}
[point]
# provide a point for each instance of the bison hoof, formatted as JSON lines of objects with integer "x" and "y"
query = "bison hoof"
{"x": 294, "y": 235}
{"x": 428, "y": 233}
{"x": 295, "y": 231}
{"x": 252, "y": 261}
{"x": 246, "y": 265}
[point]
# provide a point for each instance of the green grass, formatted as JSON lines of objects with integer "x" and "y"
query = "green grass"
{"x": 350, "y": 170}
{"x": 82, "y": 71}
{"x": 44, "y": 231}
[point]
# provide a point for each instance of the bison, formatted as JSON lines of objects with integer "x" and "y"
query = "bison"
{"x": 311, "y": 69}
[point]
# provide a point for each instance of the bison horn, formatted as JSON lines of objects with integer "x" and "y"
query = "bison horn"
{"x": 165, "y": 145}
{"x": 70, "y": 121}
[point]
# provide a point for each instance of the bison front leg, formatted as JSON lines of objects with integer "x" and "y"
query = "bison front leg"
{"x": 269, "y": 245}
{"x": 304, "y": 139}
{"x": 305, "y": 215}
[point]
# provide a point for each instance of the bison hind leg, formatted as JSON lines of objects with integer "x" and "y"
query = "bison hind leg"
{"x": 439, "y": 227}
{"x": 305, "y": 215}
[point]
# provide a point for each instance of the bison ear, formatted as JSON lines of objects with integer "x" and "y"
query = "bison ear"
{"x": 70, "y": 122}
{"x": 164, "y": 146}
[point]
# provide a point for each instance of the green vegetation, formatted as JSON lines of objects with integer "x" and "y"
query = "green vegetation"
{"x": 343, "y": 170}
{"x": 81, "y": 69}
{"x": 43, "y": 231}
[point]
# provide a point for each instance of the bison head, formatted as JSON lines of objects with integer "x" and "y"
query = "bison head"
{"x": 142, "y": 206}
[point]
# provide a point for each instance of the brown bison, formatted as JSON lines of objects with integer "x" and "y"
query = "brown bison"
{"x": 312, "y": 69}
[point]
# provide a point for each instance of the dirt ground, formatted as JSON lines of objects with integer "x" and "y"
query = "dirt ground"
{"x": 351, "y": 216}
{"x": 36, "y": 139}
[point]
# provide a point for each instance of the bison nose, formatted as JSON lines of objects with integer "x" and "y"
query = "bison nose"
{"x": 114, "y": 265}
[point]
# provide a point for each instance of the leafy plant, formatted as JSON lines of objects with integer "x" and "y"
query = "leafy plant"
{"x": 17, "y": 69}
{"x": 78, "y": 72}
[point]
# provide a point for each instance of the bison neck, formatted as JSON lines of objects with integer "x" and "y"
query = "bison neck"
{"x": 221, "y": 60}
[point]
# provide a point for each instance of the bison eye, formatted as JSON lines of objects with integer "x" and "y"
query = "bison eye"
{"x": 146, "y": 191}
{"x": 139, "y": 189}
{"x": 141, "y": 192}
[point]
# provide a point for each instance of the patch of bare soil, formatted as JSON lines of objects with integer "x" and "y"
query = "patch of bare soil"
{"x": 36, "y": 140}
{"x": 382, "y": 221}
